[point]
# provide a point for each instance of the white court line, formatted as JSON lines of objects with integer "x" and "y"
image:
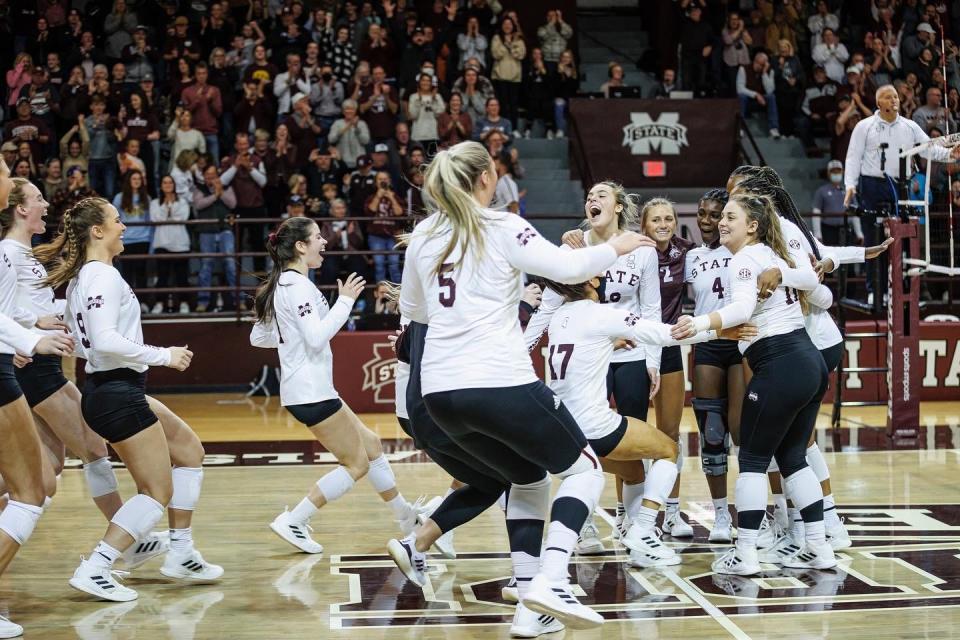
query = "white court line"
{"x": 711, "y": 609}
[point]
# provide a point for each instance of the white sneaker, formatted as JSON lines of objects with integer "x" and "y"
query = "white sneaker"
{"x": 296, "y": 533}
{"x": 443, "y": 544}
{"x": 101, "y": 582}
{"x": 781, "y": 516}
{"x": 144, "y": 308}
{"x": 550, "y": 135}
{"x": 783, "y": 548}
{"x": 647, "y": 549}
{"x": 770, "y": 532}
{"x": 722, "y": 530}
{"x": 812, "y": 556}
{"x": 775, "y": 133}
{"x": 838, "y": 537}
{"x": 621, "y": 524}
{"x": 556, "y": 599}
{"x": 589, "y": 543}
{"x": 156, "y": 543}
{"x": 411, "y": 562}
{"x": 184, "y": 307}
{"x": 190, "y": 566}
{"x": 737, "y": 561}
{"x": 408, "y": 522}
{"x": 510, "y": 593}
{"x": 101, "y": 622}
{"x": 528, "y": 133}
{"x": 674, "y": 525}
{"x": 9, "y": 629}
{"x": 529, "y": 624}
{"x": 157, "y": 308}
{"x": 559, "y": 133}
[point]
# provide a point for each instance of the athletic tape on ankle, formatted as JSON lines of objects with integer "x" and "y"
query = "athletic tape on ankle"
{"x": 19, "y": 519}
{"x": 381, "y": 475}
{"x": 138, "y": 516}
{"x": 100, "y": 477}
{"x": 336, "y": 483}
{"x": 187, "y": 482}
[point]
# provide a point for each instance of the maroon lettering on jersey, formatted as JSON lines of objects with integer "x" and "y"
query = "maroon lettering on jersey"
{"x": 671, "y": 268}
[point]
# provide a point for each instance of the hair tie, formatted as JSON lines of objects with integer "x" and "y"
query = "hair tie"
{"x": 272, "y": 238}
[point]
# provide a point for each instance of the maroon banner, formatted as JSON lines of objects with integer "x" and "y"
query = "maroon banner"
{"x": 695, "y": 139}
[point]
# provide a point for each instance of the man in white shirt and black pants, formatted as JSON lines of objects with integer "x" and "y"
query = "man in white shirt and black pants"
{"x": 872, "y": 165}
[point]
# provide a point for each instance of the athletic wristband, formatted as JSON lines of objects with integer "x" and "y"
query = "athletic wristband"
{"x": 701, "y": 323}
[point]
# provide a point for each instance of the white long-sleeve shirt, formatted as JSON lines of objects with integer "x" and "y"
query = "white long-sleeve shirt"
{"x": 33, "y": 299}
{"x": 104, "y": 315}
{"x": 301, "y": 331}
{"x": 832, "y": 59}
{"x": 475, "y": 339}
{"x": 863, "y": 154}
{"x": 172, "y": 237}
{"x": 284, "y": 91}
{"x": 15, "y": 336}
{"x": 582, "y": 336}
{"x": 707, "y": 271}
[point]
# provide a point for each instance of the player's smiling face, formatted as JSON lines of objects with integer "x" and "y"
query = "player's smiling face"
{"x": 111, "y": 230}
{"x": 736, "y": 228}
{"x": 709, "y": 215}
{"x": 35, "y": 209}
{"x": 601, "y": 207}
{"x": 660, "y": 223}
{"x": 313, "y": 248}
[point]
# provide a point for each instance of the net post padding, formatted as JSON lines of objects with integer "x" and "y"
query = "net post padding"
{"x": 903, "y": 332}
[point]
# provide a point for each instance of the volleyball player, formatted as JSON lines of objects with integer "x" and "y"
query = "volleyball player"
{"x": 718, "y": 382}
{"x": 52, "y": 398}
{"x": 789, "y": 378}
{"x": 462, "y": 278}
{"x": 294, "y": 318}
{"x": 104, "y": 314}
{"x": 28, "y": 478}
{"x": 582, "y": 338}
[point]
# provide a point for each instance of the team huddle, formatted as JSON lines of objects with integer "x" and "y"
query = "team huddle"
{"x": 467, "y": 393}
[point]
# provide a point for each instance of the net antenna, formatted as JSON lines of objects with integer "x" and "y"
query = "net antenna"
{"x": 949, "y": 140}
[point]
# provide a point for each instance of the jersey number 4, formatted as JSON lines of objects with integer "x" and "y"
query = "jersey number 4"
{"x": 565, "y": 351}
{"x": 83, "y": 332}
{"x": 448, "y": 288}
{"x": 717, "y": 288}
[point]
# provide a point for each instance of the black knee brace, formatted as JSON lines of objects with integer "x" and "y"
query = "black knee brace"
{"x": 711, "y": 416}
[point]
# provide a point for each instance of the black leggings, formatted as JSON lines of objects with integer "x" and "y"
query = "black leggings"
{"x": 517, "y": 431}
{"x": 173, "y": 272}
{"x": 832, "y": 356}
{"x": 629, "y": 383}
{"x": 781, "y": 404}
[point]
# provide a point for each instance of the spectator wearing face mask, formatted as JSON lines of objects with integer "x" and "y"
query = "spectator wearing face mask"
{"x": 828, "y": 200}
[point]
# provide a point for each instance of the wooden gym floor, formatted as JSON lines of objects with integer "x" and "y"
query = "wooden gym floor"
{"x": 900, "y": 580}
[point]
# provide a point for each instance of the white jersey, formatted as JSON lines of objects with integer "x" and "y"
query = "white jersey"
{"x": 104, "y": 315}
{"x": 778, "y": 314}
{"x": 31, "y": 294}
{"x": 822, "y": 329}
{"x": 401, "y": 378}
{"x": 15, "y": 321}
{"x": 582, "y": 336}
{"x": 707, "y": 271}
{"x": 475, "y": 339}
{"x": 301, "y": 330}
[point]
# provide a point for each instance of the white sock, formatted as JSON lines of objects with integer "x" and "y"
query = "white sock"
{"x": 304, "y": 510}
{"x": 621, "y": 510}
{"x": 632, "y": 499}
{"x": 646, "y": 519}
{"x": 720, "y": 506}
{"x": 747, "y": 537}
{"x": 104, "y": 555}
{"x": 401, "y": 508}
{"x": 556, "y": 551}
{"x": 830, "y": 516}
{"x": 814, "y": 532}
{"x": 673, "y": 505}
{"x": 780, "y": 501}
{"x": 181, "y": 540}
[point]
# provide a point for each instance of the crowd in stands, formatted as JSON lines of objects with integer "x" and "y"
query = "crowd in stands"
{"x": 245, "y": 109}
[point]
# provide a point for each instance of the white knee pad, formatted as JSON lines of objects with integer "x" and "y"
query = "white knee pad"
{"x": 803, "y": 488}
{"x": 660, "y": 481}
{"x": 817, "y": 462}
{"x": 586, "y": 461}
{"x": 381, "y": 475}
{"x": 101, "y": 479}
{"x": 585, "y": 487}
{"x": 186, "y": 488}
{"x": 138, "y": 516}
{"x": 18, "y": 520}
{"x": 502, "y": 502}
{"x": 529, "y": 501}
{"x": 773, "y": 468}
{"x": 751, "y": 492}
{"x": 336, "y": 483}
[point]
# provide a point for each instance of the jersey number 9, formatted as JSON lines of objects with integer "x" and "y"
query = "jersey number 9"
{"x": 83, "y": 332}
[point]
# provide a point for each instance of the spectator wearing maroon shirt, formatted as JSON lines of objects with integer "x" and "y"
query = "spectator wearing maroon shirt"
{"x": 203, "y": 101}
{"x": 139, "y": 123}
{"x": 246, "y": 173}
{"x": 379, "y": 105}
{"x": 215, "y": 31}
{"x": 254, "y": 111}
{"x": 381, "y": 233}
{"x": 303, "y": 129}
{"x": 27, "y": 127}
{"x": 325, "y": 168}
{"x": 361, "y": 184}
{"x": 378, "y": 50}
{"x": 341, "y": 235}
{"x": 454, "y": 125}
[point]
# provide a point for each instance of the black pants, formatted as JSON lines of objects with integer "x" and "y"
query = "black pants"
{"x": 135, "y": 271}
{"x": 517, "y": 431}
{"x": 781, "y": 403}
{"x": 877, "y": 202}
{"x": 173, "y": 272}
{"x": 253, "y": 236}
{"x": 508, "y": 93}
{"x": 630, "y": 385}
{"x": 832, "y": 356}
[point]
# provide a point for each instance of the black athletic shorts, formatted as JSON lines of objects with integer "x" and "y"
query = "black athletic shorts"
{"x": 115, "y": 404}
{"x": 671, "y": 360}
{"x": 313, "y": 413}
{"x": 721, "y": 354}
{"x": 605, "y": 445}
{"x": 41, "y": 378}
{"x": 9, "y": 387}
